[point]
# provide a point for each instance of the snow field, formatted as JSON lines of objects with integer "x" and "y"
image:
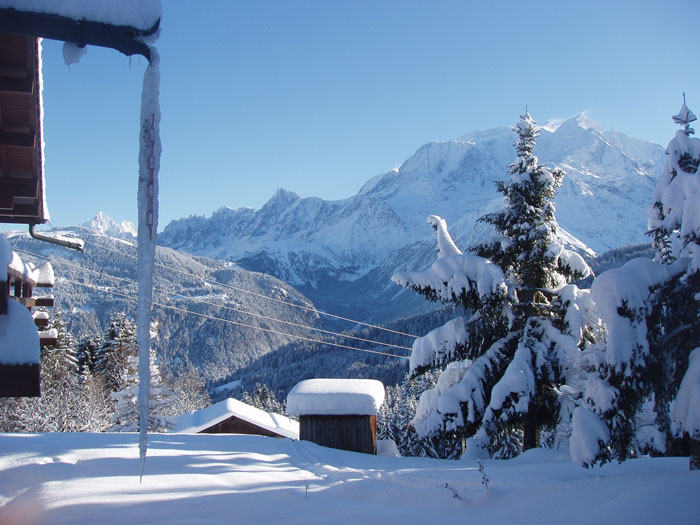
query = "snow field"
{"x": 81, "y": 478}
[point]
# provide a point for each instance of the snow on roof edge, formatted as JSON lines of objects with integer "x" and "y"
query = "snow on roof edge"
{"x": 139, "y": 14}
{"x": 198, "y": 420}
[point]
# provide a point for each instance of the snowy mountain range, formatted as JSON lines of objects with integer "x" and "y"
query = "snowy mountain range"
{"x": 104, "y": 225}
{"x": 204, "y": 309}
{"x": 342, "y": 253}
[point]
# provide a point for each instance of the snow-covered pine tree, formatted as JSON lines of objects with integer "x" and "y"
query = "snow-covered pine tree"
{"x": 118, "y": 344}
{"x": 651, "y": 314}
{"x": 674, "y": 319}
{"x": 190, "y": 391}
{"x": 87, "y": 352}
{"x": 523, "y": 326}
{"x": 126, "y": 405}
{"x": 264, "y": 399}
{"x": 673, "y": 215}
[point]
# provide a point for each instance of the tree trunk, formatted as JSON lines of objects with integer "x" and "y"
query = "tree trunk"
{"x": 530, "y": 432}
{"x": 694, "y": 454}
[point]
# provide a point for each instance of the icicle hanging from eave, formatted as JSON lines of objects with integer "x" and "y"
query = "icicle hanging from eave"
{"x": 149, "y": 165}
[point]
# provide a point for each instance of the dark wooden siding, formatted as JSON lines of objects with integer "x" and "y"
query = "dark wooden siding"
{"x": 19, "y": 380}
{"x": 234, "y": 425}
{"x": 355, "y": 433}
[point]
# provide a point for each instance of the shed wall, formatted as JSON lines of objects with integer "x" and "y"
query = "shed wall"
{"x": 355, "y": 433}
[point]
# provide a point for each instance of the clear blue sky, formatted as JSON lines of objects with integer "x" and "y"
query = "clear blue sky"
{"x": 317, "y": 96}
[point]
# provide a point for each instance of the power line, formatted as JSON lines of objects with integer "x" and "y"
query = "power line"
{"x": 183, "y": 310}
{"x": 238, "y": 310}
{"x": 243, "y": 290}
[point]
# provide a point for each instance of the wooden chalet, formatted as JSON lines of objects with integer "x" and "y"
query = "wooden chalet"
{"x": 231, "y": 416}
{"x": 19, "y": 367}
{"x": 338, "y": 413}
{"x": 22, "y": 191}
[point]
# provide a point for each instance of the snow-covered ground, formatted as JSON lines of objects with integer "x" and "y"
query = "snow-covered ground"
{"x": 84, "y": 478}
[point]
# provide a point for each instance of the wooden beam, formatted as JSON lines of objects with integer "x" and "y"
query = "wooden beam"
{"x": 46, "y": 300}
{"x": 19, "y": 279}
{"x": 18, "y": 140}
{"x": 29, "y": 302}
{"x": 16, "y": 86}
{"x": 48, "y": 341}
{"x": 127, "y": 40}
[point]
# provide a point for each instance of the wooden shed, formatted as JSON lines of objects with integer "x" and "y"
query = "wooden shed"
{"x": 338, "y": 413}
{"x": 231, "y": 416}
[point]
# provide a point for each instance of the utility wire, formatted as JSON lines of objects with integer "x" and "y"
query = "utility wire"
{"x": 183, "y": 310}
{"x": 243, "y": 290}
{"x": 238, "y": 310}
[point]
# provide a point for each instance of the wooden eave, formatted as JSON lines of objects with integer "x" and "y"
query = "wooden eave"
{"x": 125, "y": 39}
{"x": 21, "y": 170}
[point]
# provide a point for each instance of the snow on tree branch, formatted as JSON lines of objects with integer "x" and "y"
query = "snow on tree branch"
{"x": 445, "y": 244}
{"x": 457, "y": 276}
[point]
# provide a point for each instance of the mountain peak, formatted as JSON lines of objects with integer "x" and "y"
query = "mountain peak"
{"x": 286, "y": 196}
{"x": 581, "y": 121}
{"x": 584, "y": 121}
{"x": 105, "y": 225}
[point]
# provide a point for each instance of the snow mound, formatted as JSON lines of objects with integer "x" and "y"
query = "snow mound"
{"x": 686, "y": 409}
{"x": 19, "y": 339}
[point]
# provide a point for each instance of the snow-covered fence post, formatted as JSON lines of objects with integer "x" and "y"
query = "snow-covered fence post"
{"x": 149, "y": 165}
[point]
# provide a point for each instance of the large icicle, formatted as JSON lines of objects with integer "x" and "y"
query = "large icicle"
{"x": 149, "y": 164}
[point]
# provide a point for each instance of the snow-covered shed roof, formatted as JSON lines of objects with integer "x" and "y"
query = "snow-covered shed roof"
{"x": 194, "y": 422}
{"x": 335, "y": 397}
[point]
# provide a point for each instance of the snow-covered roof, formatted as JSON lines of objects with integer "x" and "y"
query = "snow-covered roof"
{"x": 335, "y": 397}
{"x": 194, "y": 422}
{"x": 140, "y": 14}
{"x": 19, "y": 340}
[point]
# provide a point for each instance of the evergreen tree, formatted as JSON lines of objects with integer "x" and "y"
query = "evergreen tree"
{"x": 87, "y": 352}
{"x": 118, "y": 344}
{"x": 96, "y": 407}
{"x": 396, "y": 414}
{"x": 264, "y": 399}
{"x": 651, "y": 314}
{"x": 190, "y": 391}
{"x": 126, "y": 409}
{"x": 523, "y": 326}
